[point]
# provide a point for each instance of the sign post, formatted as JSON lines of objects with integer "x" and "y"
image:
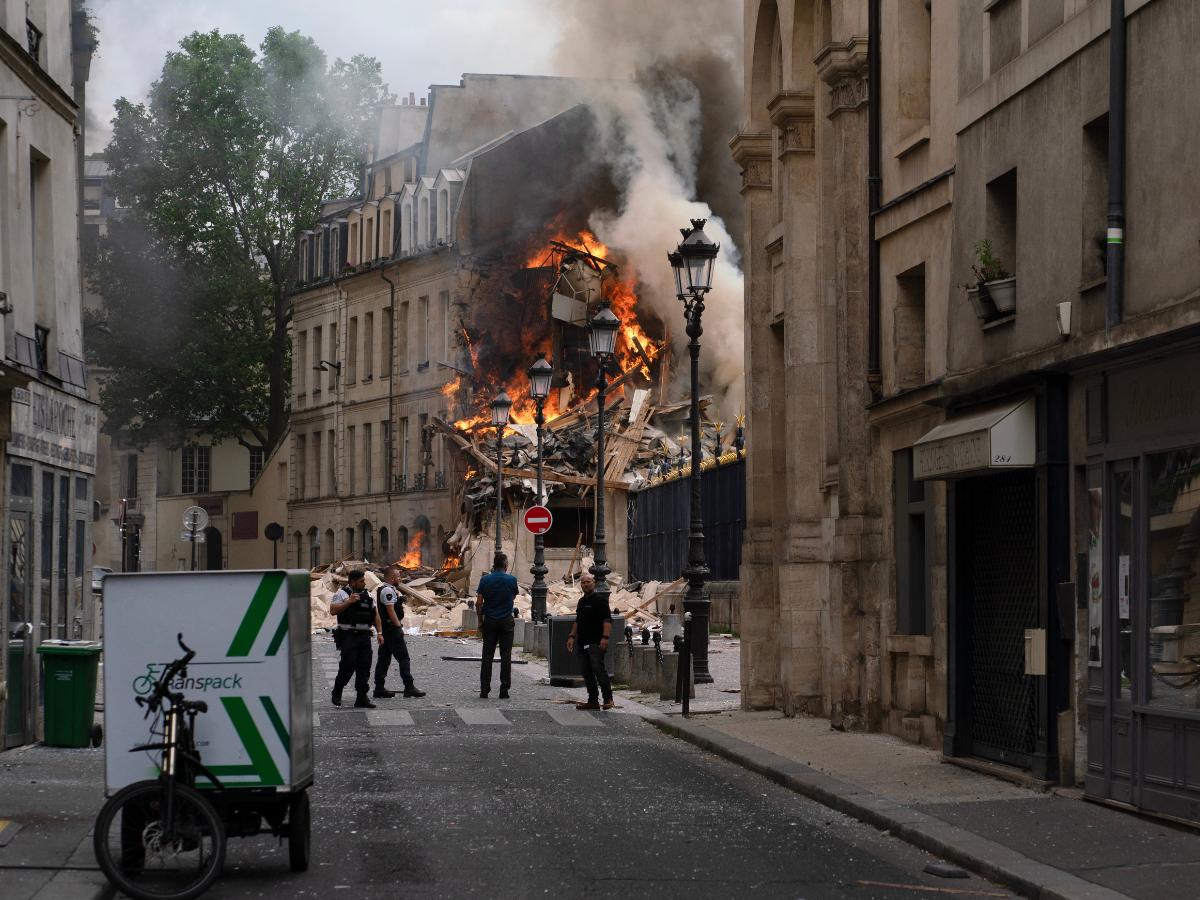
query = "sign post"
{"x": 538, "y": 520}
{"x": 195, "y": 520}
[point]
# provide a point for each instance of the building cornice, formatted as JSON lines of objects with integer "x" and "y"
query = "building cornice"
{"x": 843, "y": 66}
{"x": 792, "y": 112}
{"x": 22, "y": 65}
{"x": 752, "y": 151}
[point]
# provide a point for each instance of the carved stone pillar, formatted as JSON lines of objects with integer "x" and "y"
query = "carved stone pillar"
{"x": 759, "y": 613}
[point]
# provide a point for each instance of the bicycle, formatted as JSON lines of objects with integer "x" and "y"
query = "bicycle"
{"x": 161, "y": 839}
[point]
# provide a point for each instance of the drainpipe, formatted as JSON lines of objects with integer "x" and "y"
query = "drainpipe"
{"x": 391, "y": 386}
{"x": 1116, "y": 168}
{"x": 874, "y": 185}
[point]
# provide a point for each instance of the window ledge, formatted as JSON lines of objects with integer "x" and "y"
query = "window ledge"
{"x": 368, "y": 378}
{"x": 1003, "y": 320}
{"x": 911, "y": 142}
{"x": 1095, "y": 283}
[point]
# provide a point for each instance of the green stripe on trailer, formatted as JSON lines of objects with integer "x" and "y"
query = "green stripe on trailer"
{"x": 280, "y": 730}
{"x": 252, "y": 622}
{"x": 260, "y": 756}
{"x": 280, "y": 634}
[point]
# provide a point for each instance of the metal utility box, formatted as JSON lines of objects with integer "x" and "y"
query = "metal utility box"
{"x": 252, "y": 636}
{"x": 564, "y": 666}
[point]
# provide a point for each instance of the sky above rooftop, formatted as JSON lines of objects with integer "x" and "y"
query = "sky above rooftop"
{"x": 417, "y": 43}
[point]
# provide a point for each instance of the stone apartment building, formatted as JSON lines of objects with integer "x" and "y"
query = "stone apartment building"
{"x": 987, "y": 536}
{"x": 48, "y": 423}
{"x": 452, "y": 190}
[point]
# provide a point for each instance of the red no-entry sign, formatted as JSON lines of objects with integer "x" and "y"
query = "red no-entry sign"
{"x": 538, "y": 519}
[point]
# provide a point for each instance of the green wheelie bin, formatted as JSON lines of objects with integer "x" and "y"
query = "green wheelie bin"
{"x": 69, "y": 675}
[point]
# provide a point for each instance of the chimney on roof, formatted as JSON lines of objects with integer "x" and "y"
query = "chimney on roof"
{"x": 422, "y": 101}
{"x": 412, "y": 99}
{"x": 404, "y": 101}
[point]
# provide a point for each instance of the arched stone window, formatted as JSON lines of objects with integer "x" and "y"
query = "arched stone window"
{"x": 327, "y": 547}
{"x": 314, "y": 547}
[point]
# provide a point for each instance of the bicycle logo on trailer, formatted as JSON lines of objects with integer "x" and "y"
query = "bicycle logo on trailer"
{"x": 144, "y": 684}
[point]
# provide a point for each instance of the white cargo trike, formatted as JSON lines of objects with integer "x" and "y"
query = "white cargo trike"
{"x": 208, "y": 716}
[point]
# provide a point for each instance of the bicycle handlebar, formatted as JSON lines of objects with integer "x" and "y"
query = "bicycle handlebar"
{"x": 160, "y": 689}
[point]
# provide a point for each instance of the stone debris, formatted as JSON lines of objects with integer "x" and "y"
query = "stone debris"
{"x": 434, "y": 599}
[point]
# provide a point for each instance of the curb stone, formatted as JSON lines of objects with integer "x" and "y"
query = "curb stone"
{"x": 986, "y": 858}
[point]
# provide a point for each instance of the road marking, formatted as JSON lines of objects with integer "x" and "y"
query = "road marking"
{"x": 482, "y": 717}
{"x": 573, "y": 717}
{"x": 379, "y": 717}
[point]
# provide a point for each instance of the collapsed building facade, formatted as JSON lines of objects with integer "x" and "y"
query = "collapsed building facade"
{"x": 465, "y": 255}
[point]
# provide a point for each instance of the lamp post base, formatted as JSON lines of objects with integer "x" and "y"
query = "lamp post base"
{"x": 698, "y": 604}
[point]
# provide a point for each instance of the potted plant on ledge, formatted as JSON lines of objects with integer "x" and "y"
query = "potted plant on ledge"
{"x": 994, "y": 279}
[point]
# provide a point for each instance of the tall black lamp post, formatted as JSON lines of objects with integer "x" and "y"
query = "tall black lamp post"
{"x": 500, "y": 407}
{"x": 602, "y": 340}
{"x": 540, "y": 374}
{"x": 692, "y": 264}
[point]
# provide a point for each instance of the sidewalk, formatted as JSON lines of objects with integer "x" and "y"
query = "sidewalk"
{"x": 48, "y": 802}
{"x": 1043, "y": 845}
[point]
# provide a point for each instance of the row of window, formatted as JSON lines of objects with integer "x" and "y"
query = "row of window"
{"x": 315, "y": 548}
{"x": 412, "y": 335}
{"x": 316, "y": 460}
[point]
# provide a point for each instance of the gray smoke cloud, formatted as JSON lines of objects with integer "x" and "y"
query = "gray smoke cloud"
{"x": 667, "y": 141}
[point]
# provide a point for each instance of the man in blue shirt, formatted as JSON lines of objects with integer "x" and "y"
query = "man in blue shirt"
{"x": 494, "y": 604}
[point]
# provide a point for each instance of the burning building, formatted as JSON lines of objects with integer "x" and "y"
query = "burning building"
{"x": 467, "y": 252}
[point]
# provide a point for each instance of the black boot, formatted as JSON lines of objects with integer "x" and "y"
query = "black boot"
{"x": 382, "y": 692}
{"x": 336, "y": 698}
{"x": 364, "y": 702}
{"x": 411, "y": 690}
{"x": 503, "y": 693}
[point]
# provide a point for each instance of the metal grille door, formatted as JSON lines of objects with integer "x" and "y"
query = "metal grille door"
{"x": 1003, "y": 604}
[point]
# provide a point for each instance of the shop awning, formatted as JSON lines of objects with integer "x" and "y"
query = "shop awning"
{"x": 990, "y": 438}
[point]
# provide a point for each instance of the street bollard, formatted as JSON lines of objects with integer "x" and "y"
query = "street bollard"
{"x": 541, "y": 640}
{"x": 672, "y": 626}
{"x": 668, "y": 686}
{"x": 623, "y": 663}
{"x": 645, "y": 669}
{"x": 519, "y": 633}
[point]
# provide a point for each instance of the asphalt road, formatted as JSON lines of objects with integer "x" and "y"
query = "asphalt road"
{"x": 551, "y": 803}
{"x": 493, "y": 799}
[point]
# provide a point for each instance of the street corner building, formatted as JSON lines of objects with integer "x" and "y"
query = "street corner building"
{"x": 428, "y": 292}
{"x": 973, "y": 349}
{"x": 47, "y": 423}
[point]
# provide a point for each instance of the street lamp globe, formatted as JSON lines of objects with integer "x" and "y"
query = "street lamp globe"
{"x": 540, "y": 375}
{"x": 602, "y": 333}
{"x": 677, "y": 270}
{"x": 699, "y": 258}
{"x": 500, "y": 407}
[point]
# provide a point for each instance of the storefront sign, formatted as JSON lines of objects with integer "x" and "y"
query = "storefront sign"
{"x": 1160, "y": 398}
{"x": 54, "y": 428}
{"x": 994, "y": 437}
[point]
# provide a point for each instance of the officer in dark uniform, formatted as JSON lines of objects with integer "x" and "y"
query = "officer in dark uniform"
{"x": 356, "y": 614}
{"x": 388, "y": 602}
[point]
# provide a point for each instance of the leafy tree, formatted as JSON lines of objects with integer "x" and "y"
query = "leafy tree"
{"x": 230, "y": 157}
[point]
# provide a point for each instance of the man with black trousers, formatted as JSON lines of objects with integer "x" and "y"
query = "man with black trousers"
{"x": 355, "y": 610}
{"x": 589, "y": 638}
{"x": 494, "y": 605}
{"x": 393, "y": 645}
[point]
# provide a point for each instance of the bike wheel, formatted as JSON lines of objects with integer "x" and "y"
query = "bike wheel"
{"x": 147, "y": 859}
{"x": 299, "y": 832}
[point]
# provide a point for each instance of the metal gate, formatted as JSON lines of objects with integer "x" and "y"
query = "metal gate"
{"x": 1003, "y": 604}
{"x": 660, "y": 517}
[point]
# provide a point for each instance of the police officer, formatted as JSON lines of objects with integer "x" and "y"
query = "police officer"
{"x": 387, "y": 601}
{"x": 355, "y": 610}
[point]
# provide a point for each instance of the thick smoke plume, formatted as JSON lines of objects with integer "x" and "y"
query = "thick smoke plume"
{"x": 667, "y": 142}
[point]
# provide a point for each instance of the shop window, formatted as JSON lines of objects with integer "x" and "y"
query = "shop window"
{"x": 1002, "y": 219}
{"x": 22, "y": 480}
{"x": 914, "y": 548}
{"x": 1173, "y": 587}
{"x": 197, "y": 465}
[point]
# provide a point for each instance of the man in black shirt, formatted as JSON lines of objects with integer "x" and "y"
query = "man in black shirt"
{"x": 356, "y": 614}
{"x": 589, "y": 638}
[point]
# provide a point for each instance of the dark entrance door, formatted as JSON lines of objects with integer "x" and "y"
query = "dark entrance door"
{"x": 1003, "y": 603}
{"x": 212, "y": 541}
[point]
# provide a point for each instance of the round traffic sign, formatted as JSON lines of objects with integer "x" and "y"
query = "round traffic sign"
{"x": 195, "y": 518}
{"x": 538, "y": 519}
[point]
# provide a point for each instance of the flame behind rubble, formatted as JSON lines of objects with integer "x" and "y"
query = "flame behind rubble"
{"x": 500, "y": 355}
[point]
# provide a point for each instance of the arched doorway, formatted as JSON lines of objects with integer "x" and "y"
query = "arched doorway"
{"x": 401, "y": 543}
{"x": 327, "y": 546}
{"x": 298, "y": 538}
{"x": 212, "y": 543}
{"x": 314, "y": 547}
{"x": 421, "y": 530}
{"x": 383, "y": 546}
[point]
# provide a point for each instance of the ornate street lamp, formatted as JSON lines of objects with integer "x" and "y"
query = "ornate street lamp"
{"x": 500, "y": 407}
{"x": 692, "y": 264}
{"x": 602, "y": 340}
{"x": 540, "y": 375}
